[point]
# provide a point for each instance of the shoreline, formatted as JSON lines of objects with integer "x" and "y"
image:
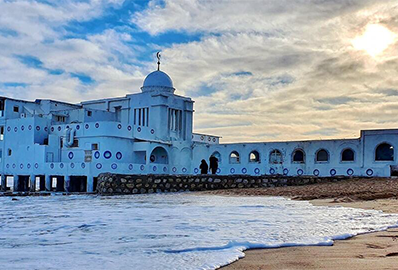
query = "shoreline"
{"x": 368, "y": 251}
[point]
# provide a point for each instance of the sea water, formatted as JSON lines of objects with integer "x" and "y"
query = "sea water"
{"x": 165, "y": 231}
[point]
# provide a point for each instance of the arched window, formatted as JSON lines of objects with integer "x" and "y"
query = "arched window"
{"x": 322, "y": 156}
{"x": 159, "y": 156}
{"x": 384, "y": 152}
{"x": 348, "y": 155}
{"x": 217, "y": 155}
{"x": 254, "y": 157}
{"x": 234, "y": 157}
{"x": 275, "y": 157}
{"x": 298, "y": 156}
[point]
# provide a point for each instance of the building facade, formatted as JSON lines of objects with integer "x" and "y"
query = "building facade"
{"x": 52, "y": 145}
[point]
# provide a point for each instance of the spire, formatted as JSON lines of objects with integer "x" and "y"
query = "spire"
{"x": 158, "y": 56}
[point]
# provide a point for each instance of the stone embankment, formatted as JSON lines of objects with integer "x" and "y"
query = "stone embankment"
{"x": 114, "y": 184}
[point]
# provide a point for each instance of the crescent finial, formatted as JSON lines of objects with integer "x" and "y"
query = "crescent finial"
{"x": 158, "y": 56}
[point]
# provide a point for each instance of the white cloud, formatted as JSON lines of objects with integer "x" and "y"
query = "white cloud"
{"x": 305, "y": 76}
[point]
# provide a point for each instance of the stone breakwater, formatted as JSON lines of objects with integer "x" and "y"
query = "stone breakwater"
{"x": 116, "y": 184}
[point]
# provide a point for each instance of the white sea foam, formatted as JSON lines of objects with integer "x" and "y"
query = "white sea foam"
{"x": 168, "y": 231}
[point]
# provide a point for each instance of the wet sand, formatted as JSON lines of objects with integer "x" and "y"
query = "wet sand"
{"x": 369, "y": 251}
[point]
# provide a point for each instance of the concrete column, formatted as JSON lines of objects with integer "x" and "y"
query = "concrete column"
{"x": 48, "y": 182}
{"x": 32, "y": 180}
{"x": 67, "y": 183}
{"x": 3, "y": 182}
{"x": 16, "y": 183}
{"x": 90, "y": 183}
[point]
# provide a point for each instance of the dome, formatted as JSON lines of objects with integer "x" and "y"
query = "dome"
{"x": 158, "y": 80}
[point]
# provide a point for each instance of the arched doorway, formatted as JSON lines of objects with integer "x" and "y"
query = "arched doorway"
{"x": 217, "y": 155}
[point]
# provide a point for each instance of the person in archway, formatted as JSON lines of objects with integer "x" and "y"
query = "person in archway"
{"x": 204, "y": 168}
{"x": 213, "y": 164}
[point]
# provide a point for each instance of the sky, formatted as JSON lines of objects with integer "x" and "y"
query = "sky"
{"x": 268, "y": 70}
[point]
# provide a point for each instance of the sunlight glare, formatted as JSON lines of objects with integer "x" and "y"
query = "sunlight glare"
{"x": 375, "y": 40}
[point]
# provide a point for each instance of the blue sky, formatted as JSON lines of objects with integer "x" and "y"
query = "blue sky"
{"x": 258, "y": 70}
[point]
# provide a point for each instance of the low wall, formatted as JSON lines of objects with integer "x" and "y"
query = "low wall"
{"x": 113, "y": 184}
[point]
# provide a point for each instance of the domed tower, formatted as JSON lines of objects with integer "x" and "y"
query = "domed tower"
{"x": 169, "y": 116}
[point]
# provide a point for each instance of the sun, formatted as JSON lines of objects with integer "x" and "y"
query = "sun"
{"x": 375, "y": 40}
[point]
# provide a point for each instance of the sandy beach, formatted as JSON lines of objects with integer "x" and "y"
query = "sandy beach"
{"x": 369, "y": 251}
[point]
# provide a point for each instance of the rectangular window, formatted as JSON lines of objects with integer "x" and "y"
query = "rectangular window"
{"x": 9, "y": 152}
{"x": 94, "y": 146}
{"x": 16, "y": 109}
{"x": 60, "y": 118}
{"x": 175, "y": 120}
{"x": 1, "y": 133}
{"x": 147, "y": 117}
{"x": 135, "y": 116}
{"x": 139, "y": 117}
{"x": 143, "y": 117}
{"x": 89, "y": 113}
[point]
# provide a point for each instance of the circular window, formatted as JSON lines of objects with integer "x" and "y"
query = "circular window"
{"x": 350, "y": 172}
{"x": 114, "y": 166}
{"x": 97, "y": 155}
{"x": 142, "y": 167}
{"x": 256, "y": 170}
{"x": 333, "y": 172}
{"x": 316, "y": 172}
{"x": 285, "y": 171}
{"x": 119, "y": 126}
{"x": 129, "y": 128}
{"x": 71, "y": 155}
{"x": 96, "y": 125}
{"x": 272, "y": 171}
{"x": 131, "y": 167}
{"x": 154, "y": 168}
{"x": 72, "y": 165}
{"x": 119, "y": 155}
{"x": 61, "y": 165}
{"x": 232, "y": 170}
{"x": 244, "y": 170}
{"x": 300, "y": 172}
{"x": 196, "y": 170}
{"x": 369, "y": 172}
{"x": 107, "y": 154}
{"x": 98, "y": 166}
{"x": 87, "y": 126}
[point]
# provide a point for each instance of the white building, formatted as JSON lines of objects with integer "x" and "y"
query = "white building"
{"x": 49, "y": 144}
